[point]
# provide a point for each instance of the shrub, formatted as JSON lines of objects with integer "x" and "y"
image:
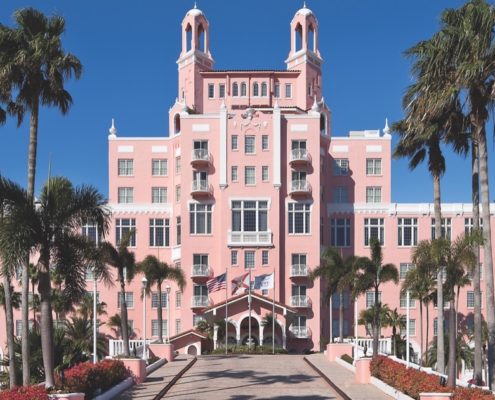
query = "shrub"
{"x": 347, "y": 358}
{"x": 25, "y": 393}
{"x": 413, "y": 382}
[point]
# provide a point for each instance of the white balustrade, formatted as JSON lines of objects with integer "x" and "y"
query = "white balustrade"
{"x": 199, "y": 301}
{"x": 116, "y": 346}
{"x": 200, "y": 270}
{"x": 300, "y": 186}
{"x": 300, "y": 332}
{"x": 299, "y": 155}
{"x": 300, "y": 301}
{"x": 200, "y": 155}
{"x": 250, "y": 238}
{"x": 299, "y": 270}
{"x": 200, "y": 186}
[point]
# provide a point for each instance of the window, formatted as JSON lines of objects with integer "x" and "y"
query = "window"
{"x": 298, "y": 261}
{"x": 159, "y": 167}
{"x": 177, "y": 193}
{"x": 336, "y": 300}
{"x": 370, "y": 299}
{"x": 197, "y": 319}
{"x": 178, "y": 299}
{"x": 129, "y": 299}
{"x": 233, "y": 257}
{"x": 264, "y": 89}
{"x": 403, "y": 301}
{"x": 470, "y": 299}
{"x": 159, "y": 232}
{"x": 249, "y": 145}
{"x": 18, "y": 326}
{"x": 445, "y": 326}
{"x": 178, "y": 326}
{"x": 200, "y": 218}
{"x": 469, "y": 225}
{"x": 200, "y": 259}
{"x": 211, "y": 90}
{"x": 177, "y": 165}
{"x": 341, "y": 167}
{"x": 276, "y": 90}
{"x": 233, "y": 174}
{"x": 256, "y": 89}
{"x": 412, "y": 327}
{"x": 264, "y": 142}
{"x": 264, "y": 173}
{"x": 373, "y": 228}
{"x": 243, "y": 89}
{"x": 154, "y": 327}
{"x": 178, "y": 231}
{"x": 154, "y": 300}
{"x": 249, "y": 216}
{"x": 126, "y": 167}
{"x": 88, "y": 275}
{"x": 126, "y": 195}
{"x": 159, "y": 195}
{"x": 340, "y": 194}
{"x": 235, "y": 89}
{"x": 90, "y": 231}
{"x": 250, "y": 175}
{"x": 122, "y": 226}
{"x": 446, "y": 228}
{"x": 340, "y": 232}
{"x": 403, "y": 269}
{"x": 408, "y": 231}
{"x": 299, "y": 218}
{"x": 249, "y": 261}
{"x": 221, "y": 90}
{"x": 336, "y": 327}
{"x": 373, "y": 194}
{"x": 264, "y": 257}
{"x": 288, "y": 90}
{"x": 373, "y": 166}
{"x": 235, "y": 142}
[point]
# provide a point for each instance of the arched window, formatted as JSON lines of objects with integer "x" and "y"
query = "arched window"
{"x": 177, "y": 123}
{"x": 298, "y": 38}
{"x": 188, "y": 37}
{"x": 235, "y": 89}
{"x": 264, "y": 89}
{"x": 243, "y": 89}
{"x": 256, "y": 89}
{"x": 311, "y": 38}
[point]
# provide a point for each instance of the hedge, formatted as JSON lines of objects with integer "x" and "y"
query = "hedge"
{"x": 25, "y": 393}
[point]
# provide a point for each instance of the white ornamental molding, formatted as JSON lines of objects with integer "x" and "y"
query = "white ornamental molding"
{"x": 140, "y": 208}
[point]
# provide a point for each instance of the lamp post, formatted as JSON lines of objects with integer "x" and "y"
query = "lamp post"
{"x": 167, "y": 290}
{"x": 144, "y": 282}
{"x": 407, "y": 328}
{"x": 95, "y": 304}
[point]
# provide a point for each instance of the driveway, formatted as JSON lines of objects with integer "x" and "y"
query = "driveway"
{"x": 247, "y": 377}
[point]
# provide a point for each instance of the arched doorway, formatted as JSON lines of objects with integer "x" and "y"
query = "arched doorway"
{"x": 255, "y": 330}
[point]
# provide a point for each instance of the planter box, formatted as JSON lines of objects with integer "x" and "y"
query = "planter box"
{"x": 337, "y": 350}
{"x": 162, "y": 350}
{"x": 389, "y": 390}
{"x": 67, "y": 396}
{"x": 435, "y": 396}
{"x": 137, "y": 366}
{"x": 363, "y": 373}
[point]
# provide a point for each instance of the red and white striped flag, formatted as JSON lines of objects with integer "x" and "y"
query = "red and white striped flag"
{"x": 217, "y": 283}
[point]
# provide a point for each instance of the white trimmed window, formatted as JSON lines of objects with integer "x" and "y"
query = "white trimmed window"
{"x": 234, "y": 257}
{"x": 178, "y": 326}
{"x": 122, "y": 226}
{"x": 154, "y": 300}
{"x": 256, "y": 89}
{"x": 412, "y": 327}
{"x": 341, "y": 167}
{"x": 373, "y": 194}
{"x": 407, "y": 231}
{"x": 177, "y": 193}
{"x": 264, "y": 89}
{"x": 249, "y": 216}
{"x": 234, "y": 174}
{"x": 340, "y": 232}
{"x": 446, "y": 228}
{"x": 154, "y": 327}
{"x": 340, "y": 194}
{"x": 126, "y": 195}
{"x": 159, "y": 167}
{"x": 470, "y": 299}
{"x": 374, "y": 228}
{"x": 276, "y": 90}
{"x": 264, "y": 173}
{"x": 159, "y": 232}
{"x": 264, "y": 257}
{"x": 126, "y": 167}
{"x": 299, "y": 218}
{"x": 250, "y": 175}
{"x": 235, "y": 89}
{"x": 288, "y": 90}
{"x": 403, "y": 269}
{"x": 200, "y": 218}
{"x": 178, "y": 230}
{"x": 178, "y": 299}
{"x": 249, "y": 144}
{"x": 264, "y": 142}
{"x": 90, "y": 231}
{"x": 221, "y": 90}
{"x": 249, "y": 259}
{"x": 129, "y": 299}
{"x": 197, "y": 319}
{"x": 370, "y": 299}
{"x": 469, "y": 225}
{"x": 159, "y": 195}
{"x": 373, "y": 166}
{"x": 243, "y": 89}
{"x": 211, "y": 90}
{"x": 403, "y": 301}
{"x": 235, "y": 142}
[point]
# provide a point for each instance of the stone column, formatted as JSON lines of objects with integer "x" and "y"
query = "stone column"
{"x": 261, "y": 327}
{"x": 215, "y": 336}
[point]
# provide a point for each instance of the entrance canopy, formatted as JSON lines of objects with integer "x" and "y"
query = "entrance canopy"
{"x": 254, "y": 297}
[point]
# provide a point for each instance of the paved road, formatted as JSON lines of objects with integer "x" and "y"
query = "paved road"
{"x": 251, "y": 377}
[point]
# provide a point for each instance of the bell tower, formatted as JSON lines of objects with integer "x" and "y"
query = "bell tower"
{"x": 194, "y": 57}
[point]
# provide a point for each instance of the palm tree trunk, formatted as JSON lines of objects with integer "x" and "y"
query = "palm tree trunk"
{"x": 123, "y": 319}
{"x": 46, "y": 323}
{"x": 427, "y": 332}
{"x": 376, "y": 322}
{"x": 451, "y": 379}
{"x": 159, "y": 314}
{"x": 394, "y": 334}
{"x": 438, "y": 233}
{"x": 421, "y": 334}
{"x": 341, "y": 316}
{"x": 9, "y": 322}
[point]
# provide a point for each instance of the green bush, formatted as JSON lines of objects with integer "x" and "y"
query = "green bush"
{"x": 347, "y": 358}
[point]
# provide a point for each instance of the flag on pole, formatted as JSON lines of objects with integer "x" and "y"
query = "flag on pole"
{"x": 263, "y": 282}
{"x": 217, "y": 283}
{"x": 240, "y": 284}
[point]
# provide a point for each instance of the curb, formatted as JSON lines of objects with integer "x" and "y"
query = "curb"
{"x": 169, "y": 385}
{"x": 327, "y": 380}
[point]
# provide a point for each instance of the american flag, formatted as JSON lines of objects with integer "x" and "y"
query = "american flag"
{"x": 217, "y": 283}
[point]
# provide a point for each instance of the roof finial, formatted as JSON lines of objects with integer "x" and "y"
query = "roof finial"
{"x": 304, "y": 4}
{"x": 195, "y": 5}
{"x": 113, "y": 129}
{"x": 386, "y": 129}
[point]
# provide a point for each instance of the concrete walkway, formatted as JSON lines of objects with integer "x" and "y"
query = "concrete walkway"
{"x": 344, "y": 380}
{"x": 156, "y": 381}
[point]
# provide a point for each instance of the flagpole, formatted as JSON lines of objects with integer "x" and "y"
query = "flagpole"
{"x": 249, "y": 304}
{"x": 226, "y": 313}
{"x": 273, "y": 314}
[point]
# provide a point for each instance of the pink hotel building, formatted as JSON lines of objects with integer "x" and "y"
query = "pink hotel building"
{"x": 250, "y": 178}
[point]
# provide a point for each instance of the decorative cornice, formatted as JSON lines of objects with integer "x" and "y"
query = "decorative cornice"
{"x": 140, "y": 208}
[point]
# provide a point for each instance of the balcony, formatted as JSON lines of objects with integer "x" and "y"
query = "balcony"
{"x": 299, "y": 157}
{"x": 300, "y": 332}
{"x": 299, "y": 270}
{"x": 250, "y": 238}
{"x": 200, "y": 157}
{"x": 201, "y": 188}
{"x": 300, "y": 301}
{"x": 300, "y": 187}
{"x": 200, "y": 302}
{"x": 200, "y": 271}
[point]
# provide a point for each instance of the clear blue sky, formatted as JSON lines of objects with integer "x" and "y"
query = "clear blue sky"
{"x": 129, "y": 50}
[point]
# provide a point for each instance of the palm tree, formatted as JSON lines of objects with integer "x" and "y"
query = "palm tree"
{"x": 370, "y": 274}
{"x": 52, "y": 231}
{"x": 79, "y": 333}
{"x": 33, "y": 278}
{"x": 338, "y": 274}
{"x": 124, "y": 262}
{"x": 85, "y": 307}
{"x": 157, "y": 272}
{"x": 394, "y": 320}
{"x": 115, "y": 323}
{"x": 462, "y": 353}
{"x": 34, "y": 67}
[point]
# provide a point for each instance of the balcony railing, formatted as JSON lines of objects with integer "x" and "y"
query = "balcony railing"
{"x": 201, "y": 187}
{"x": 200, "y": 301}
{"x": 200, "y": 156}
{"x": 300, "y": 301}
{"x": 299, "y": 156}
{"x": 300, "y": 187}
{"x": 299, "y": 270}
{"x": 200, "y": 271}
{"x": 250, "y": 238}
{"x": 300, "y": 332}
